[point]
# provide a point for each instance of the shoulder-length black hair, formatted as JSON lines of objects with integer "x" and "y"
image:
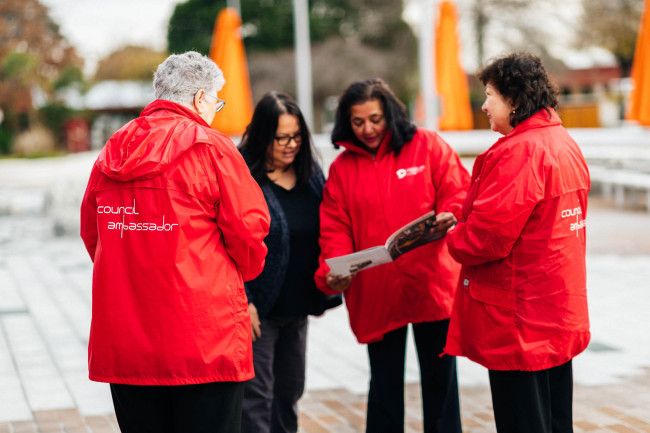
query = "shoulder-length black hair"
{"x": 522, "y": 80}
{"x": 260, "y": 134}
{"x": 397, "y": 120}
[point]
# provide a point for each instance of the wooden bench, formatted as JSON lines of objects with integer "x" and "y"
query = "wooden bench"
{"x": 624, "y": 187}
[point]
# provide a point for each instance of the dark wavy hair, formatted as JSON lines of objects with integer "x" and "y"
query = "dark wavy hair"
{"x": 260, "y": 134}
{"x": 522, "y": 80}
{"x": 397, "y": 120}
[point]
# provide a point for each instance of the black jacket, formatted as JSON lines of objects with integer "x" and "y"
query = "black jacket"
{"x": 263, "y": 291}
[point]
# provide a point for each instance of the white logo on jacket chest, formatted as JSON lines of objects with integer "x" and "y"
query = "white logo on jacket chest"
{"x": 410, "y": 171}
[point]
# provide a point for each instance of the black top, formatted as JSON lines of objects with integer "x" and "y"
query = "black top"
{"x": 300, "y": 206}
{"x": 264, "y": 290}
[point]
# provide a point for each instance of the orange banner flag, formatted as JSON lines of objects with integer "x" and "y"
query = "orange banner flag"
{"x": 640, "y": 96}
{"x": 227, "y": 51}
{"x": 451, "y": 81}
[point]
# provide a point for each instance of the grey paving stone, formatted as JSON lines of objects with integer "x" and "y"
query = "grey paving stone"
{"x": 42, "y": 383}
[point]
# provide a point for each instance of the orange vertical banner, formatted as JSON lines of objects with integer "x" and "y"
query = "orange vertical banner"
{"x": 451, "y": 81}
{"x": 640, "y": 96}
{"x": 227, "y": 51}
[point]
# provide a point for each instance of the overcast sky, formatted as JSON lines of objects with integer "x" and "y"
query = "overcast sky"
{"x": 98, "y": 27}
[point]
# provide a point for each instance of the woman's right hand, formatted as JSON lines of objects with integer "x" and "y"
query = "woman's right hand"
{"x": 255, "y": 321}
{"x": 337, "y": 282}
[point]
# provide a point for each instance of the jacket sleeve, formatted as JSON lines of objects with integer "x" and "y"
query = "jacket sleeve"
{"x": 510, "y": 186}
{"x": 242, "y": 213}
{"x": 335, "y": 227}
{"x": 88, "y": 216}
{"x": 450, "y": 178}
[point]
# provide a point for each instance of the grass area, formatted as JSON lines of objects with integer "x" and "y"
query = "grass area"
{"x": 35, "y": 155}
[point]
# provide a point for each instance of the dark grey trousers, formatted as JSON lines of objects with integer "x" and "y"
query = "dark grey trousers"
{"x": 271, "y": 398}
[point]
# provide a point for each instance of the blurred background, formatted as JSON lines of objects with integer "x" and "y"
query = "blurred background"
{"x": 72, "y": 72}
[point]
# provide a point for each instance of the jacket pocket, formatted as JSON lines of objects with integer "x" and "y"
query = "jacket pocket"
{"x": 490, "y": 294}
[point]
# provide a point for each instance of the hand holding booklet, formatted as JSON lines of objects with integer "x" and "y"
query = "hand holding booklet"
{"x": 414, "y": 234}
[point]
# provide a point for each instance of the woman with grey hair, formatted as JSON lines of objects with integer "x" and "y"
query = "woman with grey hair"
{"x": 192, "y": 80}
{"x": 174, "y": 224}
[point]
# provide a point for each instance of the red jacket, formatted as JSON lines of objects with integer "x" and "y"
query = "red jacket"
{"x": 174, "y": 223}
{"x": 366, "y": 199}
{"x": 521, "y": 302}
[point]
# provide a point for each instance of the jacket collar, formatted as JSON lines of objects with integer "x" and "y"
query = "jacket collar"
{"x": 164, "y": 105}
{"x": 384, "y": 147}
{"x": 540, "y": 119}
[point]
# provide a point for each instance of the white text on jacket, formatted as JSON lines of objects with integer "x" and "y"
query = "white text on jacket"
{"x": 411, "y": 171}
{"x": 577, "y": 213}
{"x": 133, "y": 226}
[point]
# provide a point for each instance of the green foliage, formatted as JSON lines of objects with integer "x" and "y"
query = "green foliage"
{"x": 191, "y": 24}
{"x": 5, "y": 140}
{"x": 329, "y": 17}
{"x": 16, "y": 65}
{"x": 54, "y": 115}
{"x": 68, "y": 76}
{"x": 351, "y": 40}
{"x": 270, "y": 23}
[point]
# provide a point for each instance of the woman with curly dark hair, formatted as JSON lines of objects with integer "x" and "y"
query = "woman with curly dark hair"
{"x": 389, "y": 174}
{"x": 521, "y": 306}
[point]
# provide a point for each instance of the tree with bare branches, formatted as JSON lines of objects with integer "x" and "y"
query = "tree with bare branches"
{"x": 613, "y": 25}
{"x": 33, "y": 53}
{"x": 515, "y": 24}
{"x": 129, "y": 63}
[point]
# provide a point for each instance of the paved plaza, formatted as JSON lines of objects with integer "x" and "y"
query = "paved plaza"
{"x": 45, "y": 303}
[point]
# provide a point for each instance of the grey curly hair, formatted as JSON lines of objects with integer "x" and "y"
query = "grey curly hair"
{"x": 180, "y": 76}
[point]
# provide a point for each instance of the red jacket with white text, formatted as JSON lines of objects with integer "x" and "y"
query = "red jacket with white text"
{"x": 174, "y": 224}
{"x": 521, "y": 302}
{"x": 366, "y": 199}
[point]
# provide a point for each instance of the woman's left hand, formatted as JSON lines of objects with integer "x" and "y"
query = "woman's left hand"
{"x": 337, "y": 282}
{"x": 255, "y": 321}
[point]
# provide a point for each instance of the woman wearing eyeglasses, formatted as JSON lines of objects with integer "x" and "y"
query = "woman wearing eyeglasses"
{"x": 277, "y": 148}
{"x": 389, "y": 174}
{"x": 174, "y": 223}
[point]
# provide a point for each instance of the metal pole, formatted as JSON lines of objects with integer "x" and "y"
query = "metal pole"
{"x": 302, "y": 50}
{"x": 427, "y": 55}
{"x": 235, "y": 4}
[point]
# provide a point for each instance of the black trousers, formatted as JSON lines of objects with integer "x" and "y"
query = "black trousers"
{"x": 438, "y": 380}
{"x": 533, "y": 401}
{"x": 205, "y": 408}
{"x": 271, "y": 398}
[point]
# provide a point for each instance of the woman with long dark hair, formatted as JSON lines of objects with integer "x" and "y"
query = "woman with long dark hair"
{"x": 390, "y": 174}
{"x": 278, "y": 150}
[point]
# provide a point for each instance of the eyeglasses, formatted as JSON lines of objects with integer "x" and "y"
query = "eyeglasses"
{"x": 284, "y": 140}
{"x": 219, "y": 103}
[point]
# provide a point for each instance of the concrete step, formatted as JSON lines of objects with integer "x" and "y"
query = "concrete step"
{"x": 24, "y": 201}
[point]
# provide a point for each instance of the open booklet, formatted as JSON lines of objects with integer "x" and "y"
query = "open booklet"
{"x": 414, "y": 234}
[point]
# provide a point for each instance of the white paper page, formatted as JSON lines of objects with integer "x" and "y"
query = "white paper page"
{"x": 364, "y": 259}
